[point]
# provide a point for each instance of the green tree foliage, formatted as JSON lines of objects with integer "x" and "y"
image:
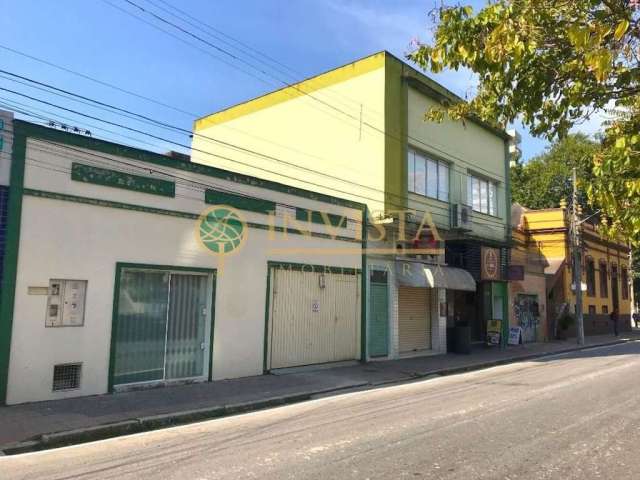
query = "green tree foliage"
{"x": 552, "y": 64}
{"x": 546, "y": 179}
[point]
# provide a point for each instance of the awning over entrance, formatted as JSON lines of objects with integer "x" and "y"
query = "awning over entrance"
{"x": 415, "y": 274}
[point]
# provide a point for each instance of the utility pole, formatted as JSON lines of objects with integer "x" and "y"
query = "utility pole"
{"x": 630, "y": 278}
{"x": 577, "y": 259}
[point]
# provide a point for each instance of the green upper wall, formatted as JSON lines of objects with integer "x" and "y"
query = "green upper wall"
{"x": 469, "y": 148}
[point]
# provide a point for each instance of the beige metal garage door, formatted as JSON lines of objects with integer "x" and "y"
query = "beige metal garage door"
{"x": 314, "y": 318}
{"x": 414, "y": 319}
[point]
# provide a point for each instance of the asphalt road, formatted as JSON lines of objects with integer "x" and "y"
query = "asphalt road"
{"x": 571, "y": 416}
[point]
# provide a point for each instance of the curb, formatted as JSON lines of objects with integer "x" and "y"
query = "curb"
{"x": 155, "y": 422}
{"x": 502, "y": 361}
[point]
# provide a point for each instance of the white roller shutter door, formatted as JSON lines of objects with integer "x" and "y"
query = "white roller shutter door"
{"x": 312, "y": 320}
{"x": 414, "y": 319}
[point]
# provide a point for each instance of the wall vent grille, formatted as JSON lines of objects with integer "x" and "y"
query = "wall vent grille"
{"x": 66, "y": 376}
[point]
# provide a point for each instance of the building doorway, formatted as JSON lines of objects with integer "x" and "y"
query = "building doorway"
{"x": 162, "y": 325}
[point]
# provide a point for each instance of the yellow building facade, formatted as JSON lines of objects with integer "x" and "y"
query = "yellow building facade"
{"x": 359, "y": 132}
{"x": 527, "y": 284}
{"x": 605, "y": 270}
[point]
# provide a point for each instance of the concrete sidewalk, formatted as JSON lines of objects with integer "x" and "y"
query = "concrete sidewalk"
{"x": 61, "y": 422}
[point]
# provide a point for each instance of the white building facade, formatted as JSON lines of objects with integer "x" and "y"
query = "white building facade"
{"x": 125, "y": 268}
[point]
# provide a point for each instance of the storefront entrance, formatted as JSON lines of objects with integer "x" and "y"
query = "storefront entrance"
{"x": 467, "y": 311}
{"x": 162, "y": 325}
{"x": 414, "y": 319}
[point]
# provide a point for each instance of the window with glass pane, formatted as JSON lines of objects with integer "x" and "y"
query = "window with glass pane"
{"x": 432, "y": 179}
{"x": 443, "y": 181}
{"x": 411, "y": 171}
{"x": 625, "y": 283}
{"x": 427, "y": 176}
{"x": 482, "y": 195}
{"x": 604, "y": 285}
{"x": 493, "y": 199}
{"x": 420, "y": 174}
{"x": 475, "y": 187}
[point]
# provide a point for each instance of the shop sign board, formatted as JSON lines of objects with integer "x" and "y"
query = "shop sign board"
{"x": 490, "y": 265}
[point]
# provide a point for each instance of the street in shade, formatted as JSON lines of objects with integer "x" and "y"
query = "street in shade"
{"x": 515, "y": 421}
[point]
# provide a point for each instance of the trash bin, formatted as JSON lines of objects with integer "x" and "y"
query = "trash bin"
{"x": 463, "y": 339}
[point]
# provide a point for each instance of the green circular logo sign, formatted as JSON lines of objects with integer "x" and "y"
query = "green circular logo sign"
{"x": 221, "y": 229}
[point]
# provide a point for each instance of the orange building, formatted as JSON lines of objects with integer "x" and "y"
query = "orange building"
{"x": 527, "y": 285}
{"x": 544, "y": 235}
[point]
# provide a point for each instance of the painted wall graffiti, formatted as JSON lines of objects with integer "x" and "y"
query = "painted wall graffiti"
{"x": 527, "y": 312}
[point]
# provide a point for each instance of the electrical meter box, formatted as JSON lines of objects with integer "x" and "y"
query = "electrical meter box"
{"x": 65, "y": 303}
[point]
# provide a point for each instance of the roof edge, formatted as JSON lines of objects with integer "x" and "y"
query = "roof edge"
{"x": 294, "y": 90}
{"x": 33, "y": 130}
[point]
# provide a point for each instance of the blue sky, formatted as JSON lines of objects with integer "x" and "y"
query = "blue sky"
{"x": 98, "y": 40}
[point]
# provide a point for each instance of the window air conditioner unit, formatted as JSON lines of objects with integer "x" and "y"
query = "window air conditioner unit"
{"x": 461, "y": 216}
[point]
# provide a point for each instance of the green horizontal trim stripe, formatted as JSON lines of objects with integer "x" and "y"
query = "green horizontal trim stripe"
{"x": 108, "y": 203}
{"x": 240, "y": 202}
{"x": 307, "y": 233}
{"x": 103, "y": 146}
{"x": 305, "y": 215}
{"x": 172, "y": 213}
{"x": 306, "y": 267}
{"x": 127, "y": 181}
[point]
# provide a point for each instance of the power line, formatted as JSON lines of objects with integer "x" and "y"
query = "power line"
{"x": 182, "y": 145}
{"x": 187, "y": 132}
{"x": 194, "y": 115}
{"x": 163, "y": 124}
{"x": 77, "y": 98}
{"x": 148, "y": 169}
{"x": 182, "y": 181}
{"x": 124, "y": 136}
{"x": 130, "y": 114}
{"x": 182, "y": 40}
{"x": 244, "y": 48}
{"x": 97, "y": 81}
{"x": 151, "y": 121}
{"x": 154, "y": 101}
{"x": 29, "y": 110}
{"x": 301, "y": 91}
{"x": 236, "y": 161}
{"x": 223, "y": 34}
{"x": 278, "y": 82}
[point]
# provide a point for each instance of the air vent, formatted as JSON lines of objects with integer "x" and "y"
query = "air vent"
{"x": 66, "y": 376}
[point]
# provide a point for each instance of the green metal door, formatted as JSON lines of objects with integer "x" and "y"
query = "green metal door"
{"x": 499, "y": 308}
{"x": 378, "y": 315}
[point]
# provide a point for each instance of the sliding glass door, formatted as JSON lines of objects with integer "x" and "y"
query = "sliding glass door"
{"x": 162, "y": 326}
{"x": 186, "y": 328}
